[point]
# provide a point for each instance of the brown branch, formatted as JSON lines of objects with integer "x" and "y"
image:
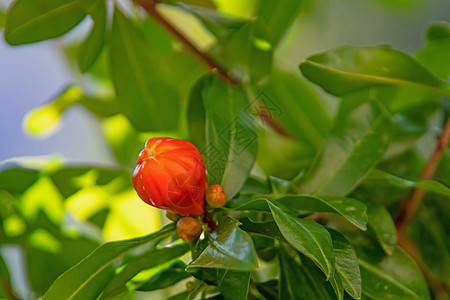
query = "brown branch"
{"x": 437, "y": 285}
{"x": 410, "y": 205}
{"x": 150, "y": 7}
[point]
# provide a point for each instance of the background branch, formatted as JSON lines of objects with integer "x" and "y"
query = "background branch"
{"x": 410, "y": 205}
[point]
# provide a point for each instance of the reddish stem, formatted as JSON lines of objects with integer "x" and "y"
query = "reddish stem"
{"x": 410, "y": 205}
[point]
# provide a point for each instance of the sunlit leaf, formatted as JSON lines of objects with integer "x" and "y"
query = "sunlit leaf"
{"x": 348, "y": 69}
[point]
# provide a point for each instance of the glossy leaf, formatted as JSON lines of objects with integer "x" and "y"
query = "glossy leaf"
{"x": 347, "y": 268}
{"x": 117, "y": 286}
{"x": 427, "y": 185}
{"x": 348, "y": 69}
{"x": 92, "y": 46}
{"x": 394, "y": 276}
{"x": 232, "y": 248}
{"x": 233, "y": 285}
{"x": 352, "y": 210}
{"x": 147, "y": 100}
{"x": 308, "y": 237}
{"x": 359, "y": 137}
{"x": 380, "y": 221}
{"x": 278, "y": 15}
{"x": 89, "y": 277}
{"x": 231, "y": 140}
{"x": 30, "y": 21}
{"x": 286, "y": 98}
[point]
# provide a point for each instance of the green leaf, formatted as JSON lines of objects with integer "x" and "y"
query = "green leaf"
{"x": 233, "y": 285}
{"x": 427, "y": 185}
{"x": 117, "y": 286}
{"x": 347, "y": 268}
{"x": 287, "y": 98}
{"x": 150, "y": 102}
{"x": 88, "y": 278}
{"x": 231, "y": 139}
{"x": 30, "y": 21}
{"x": 219, "y": 25}
{"x": 352, "y": 210}
{"x": 166, "y": 278}
{"x": 2, "y": 19}
{"x": 299, "y": 281}
{"x": 359, "y": 138}
{"x": 91, "y": 48}
{"x": 380, "y": 221}
{"x": 308, "y": 237}
{"x": 232, "y": 248}
{"x": 17, "y": 180}
{"x": 394, "y": 276}
{"x": 348, "y": 69}
{"x": 436, "y": 54}
{"x": 278, "y": 15}
{"x": 438, "y": 31}
{"x": 196, "y": 114}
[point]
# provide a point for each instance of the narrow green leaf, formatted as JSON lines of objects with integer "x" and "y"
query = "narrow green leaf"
{"x": 287, "y": 98}
{"x": 91, "y": 48}
{"x": 353, "y": 210}
{"x": 150, "y": 102}
{"x": 394, "y": 276}
{"x": 232, "y": 248}
{"x": 30, "y": 21}
{"x": 427, "y": 185}
{"x": 347, "y": 268}
{"x": 380, "y": 221}
{"x": 231, "y": 139}
{"x": 166, "y": 278}
{"x": 278, "y": 15}
{"x": 117, "y": 286}
{"x": 348, "y": 69}
{"x": 88, "y": 278}
{"x": 308, "y": 237}
{"x": 299, "y": 281}
{"x": 359, "y": 138}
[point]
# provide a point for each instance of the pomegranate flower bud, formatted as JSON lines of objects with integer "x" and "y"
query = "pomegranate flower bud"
{"x": 215, "y": 196}
{"x": 189, "y": 229}
{"x": 170, "y": 174}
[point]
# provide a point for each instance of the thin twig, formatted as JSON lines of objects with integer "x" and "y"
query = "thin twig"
{"x": 410, "y": 205}
{"x": 150, "y": 7}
